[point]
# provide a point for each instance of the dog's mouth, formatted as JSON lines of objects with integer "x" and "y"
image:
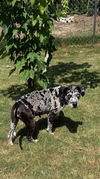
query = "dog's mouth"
{"x": 73, "y": 105}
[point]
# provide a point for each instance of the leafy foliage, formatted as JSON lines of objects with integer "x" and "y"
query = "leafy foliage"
{"x": 27, "y": 27}
{"x": 64, "y": 7}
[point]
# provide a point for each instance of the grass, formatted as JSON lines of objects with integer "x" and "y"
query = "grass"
{"x": 74, "y": 151}
{"x": 76, "y": 40}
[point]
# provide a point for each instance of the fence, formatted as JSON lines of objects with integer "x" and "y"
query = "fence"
{"x": 82, "y": 25}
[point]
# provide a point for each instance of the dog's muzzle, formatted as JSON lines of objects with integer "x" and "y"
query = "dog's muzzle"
{"x": 74, "y": 105}
{"x": 73, "y": 102}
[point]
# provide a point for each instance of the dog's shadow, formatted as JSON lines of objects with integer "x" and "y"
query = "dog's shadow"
{"x": 41, "y": 124}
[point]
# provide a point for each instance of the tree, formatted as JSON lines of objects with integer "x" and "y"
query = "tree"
{"x": 64, "y": 4}
{"x": 27, "y": 26}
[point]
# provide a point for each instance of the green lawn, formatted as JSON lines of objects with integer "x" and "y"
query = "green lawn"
{"x": 74, "y": 151}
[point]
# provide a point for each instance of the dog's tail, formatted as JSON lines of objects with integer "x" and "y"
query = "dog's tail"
{"x": 13, "y": 123}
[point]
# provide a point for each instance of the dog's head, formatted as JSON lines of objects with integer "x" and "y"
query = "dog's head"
{"x": 71, "y": 94}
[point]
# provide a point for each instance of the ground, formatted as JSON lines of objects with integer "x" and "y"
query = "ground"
{"x": 74, "y": 151}
{"x": 83, "y": 25}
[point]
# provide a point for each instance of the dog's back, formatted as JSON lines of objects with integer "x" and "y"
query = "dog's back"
{"x": 42, "y": 101}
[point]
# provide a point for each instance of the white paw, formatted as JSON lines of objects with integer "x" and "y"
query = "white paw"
{"x": 33, "y": 140}
{"x": 50, "y": 132}
{"x": 14, "y": 133}
{"x": 8, "y": 136}
{"x": 36, "y": 140}
{"x": 10, "y": 142}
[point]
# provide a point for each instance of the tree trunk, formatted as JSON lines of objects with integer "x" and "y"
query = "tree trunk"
{"x": 31, "y": 83}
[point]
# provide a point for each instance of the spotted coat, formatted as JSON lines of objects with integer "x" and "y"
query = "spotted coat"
{"x": 50, "y": 101}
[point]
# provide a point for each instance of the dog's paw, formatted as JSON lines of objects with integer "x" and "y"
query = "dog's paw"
{"x": 14, "y": 134}
{"x": 50, "y": 132}
{"x": 33, "y": 140}
{"x": 10, "y": 142}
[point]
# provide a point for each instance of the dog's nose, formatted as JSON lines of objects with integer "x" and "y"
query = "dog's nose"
{"x": 75, "y": 105}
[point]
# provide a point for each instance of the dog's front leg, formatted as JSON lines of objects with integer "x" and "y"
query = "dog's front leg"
{"x": 51, "y": 117}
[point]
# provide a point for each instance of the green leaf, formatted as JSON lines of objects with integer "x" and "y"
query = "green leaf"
{"x": 25, "y": 74}
{"x": 8, "y": 47}
{"x": 32, "y": 74}
{"x": 25, "y": 26}
{"x": 32, "y": 56}
{"x": 15, "y": 31}
{"x": 50, "y": 25}
{"x": 42, "y": 38}
{"x": 19, "y": 64}
{"x": 5, "y": 29}
{"x": 32, "y": 59}
{"x": 32, "y": 2}
{"x": 43, "y": 6}
{"x": 34, "y": 21}
{"x": 24, "y": 14}
{"x": 42, "y": 9}
{"x": 13, "y": 2}
{"x": 41, "y": 82}
{"x": 41, "y": 66}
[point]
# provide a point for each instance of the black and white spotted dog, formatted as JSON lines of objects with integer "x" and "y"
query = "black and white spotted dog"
{"x": 47, "y": 101}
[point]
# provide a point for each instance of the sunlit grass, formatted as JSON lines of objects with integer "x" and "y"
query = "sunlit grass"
{"x": 77, "y": 40}
{"x": 74, "y": 151}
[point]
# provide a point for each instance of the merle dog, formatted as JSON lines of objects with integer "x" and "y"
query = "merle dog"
{"x": 47, "y": 101}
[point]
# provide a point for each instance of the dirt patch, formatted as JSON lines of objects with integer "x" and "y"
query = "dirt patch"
{"x": 82, "y": 25}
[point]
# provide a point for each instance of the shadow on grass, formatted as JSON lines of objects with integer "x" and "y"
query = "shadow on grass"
{"x": 41, "y": 124}
{"x": 67, "y": 73}
{"x": 15, "y": 91}
{"x": 74, "y": 73}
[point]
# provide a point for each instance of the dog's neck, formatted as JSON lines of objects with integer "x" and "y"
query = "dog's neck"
{"x": 62, "y": 102}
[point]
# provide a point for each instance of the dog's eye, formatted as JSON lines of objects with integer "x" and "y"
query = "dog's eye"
{"x": 78, "y": 96}
{"x": 69, "y": 96}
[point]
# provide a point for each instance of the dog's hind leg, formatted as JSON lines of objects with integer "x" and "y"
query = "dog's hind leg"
{"x": 11, "y": 133}
{"x": 13, "y": 124}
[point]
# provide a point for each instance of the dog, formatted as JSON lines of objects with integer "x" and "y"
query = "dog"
{"x": 47, "y": 101}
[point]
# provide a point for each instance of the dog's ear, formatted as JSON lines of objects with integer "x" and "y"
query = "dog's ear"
{"x": 81, "y": 89}
{"x": 63, "y": 90}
